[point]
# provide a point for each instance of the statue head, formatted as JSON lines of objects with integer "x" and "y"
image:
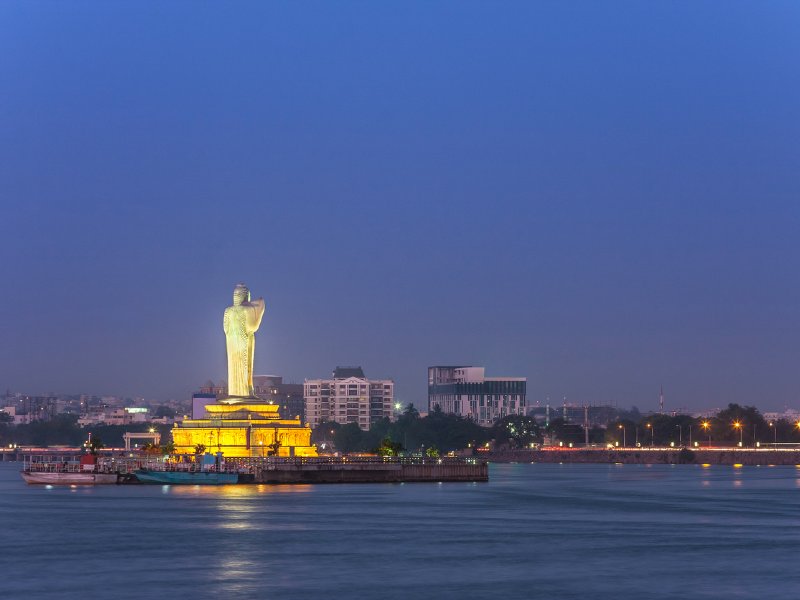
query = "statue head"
{"x": 240, "y": 294}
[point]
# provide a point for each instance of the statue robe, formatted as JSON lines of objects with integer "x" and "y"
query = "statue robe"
{"x": 240, "y": 324}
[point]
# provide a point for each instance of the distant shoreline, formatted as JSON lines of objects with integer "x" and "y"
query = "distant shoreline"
{"x": 658, "y": 456}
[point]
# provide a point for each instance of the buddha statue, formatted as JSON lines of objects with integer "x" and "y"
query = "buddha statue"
{"x": 240, "y": 323}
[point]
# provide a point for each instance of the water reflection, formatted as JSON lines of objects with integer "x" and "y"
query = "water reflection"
{"x": 238, "y": 491}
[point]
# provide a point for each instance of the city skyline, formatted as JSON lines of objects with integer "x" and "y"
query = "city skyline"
{"x": 601, "y": 202}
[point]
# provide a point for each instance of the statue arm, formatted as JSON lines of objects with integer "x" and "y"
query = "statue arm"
{"x": 257, "y": 313}
{"x": 226, "y": 320}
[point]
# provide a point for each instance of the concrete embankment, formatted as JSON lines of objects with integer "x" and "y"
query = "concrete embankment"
{"x": 671, "y": 456}
{"x": 370, "y": 472}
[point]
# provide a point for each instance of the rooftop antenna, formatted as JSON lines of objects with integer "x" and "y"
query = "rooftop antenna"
{"x": 661, "y": 400}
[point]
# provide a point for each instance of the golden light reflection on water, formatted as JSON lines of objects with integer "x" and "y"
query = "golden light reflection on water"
{"x": 237, "y": 491}
{"x": 234, "y": 567}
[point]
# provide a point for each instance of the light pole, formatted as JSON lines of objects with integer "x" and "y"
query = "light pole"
{"x": 636, "y": 429}
{"x": 775, "y": 431}
{"x": 738, "y": 425}
{"x": 690, "y": 436}
{"x": 707, "y": 426}
{"x": 652, "y": 433}
{"x": 623, "y": 435}
{"x": 680, "y": 435}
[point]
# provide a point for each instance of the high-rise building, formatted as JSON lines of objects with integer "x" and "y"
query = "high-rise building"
{"x": 348, "y": 397}
{"x": 466, "y": 391}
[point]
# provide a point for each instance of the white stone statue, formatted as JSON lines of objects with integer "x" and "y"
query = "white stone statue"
{"x": 241, "y": 321}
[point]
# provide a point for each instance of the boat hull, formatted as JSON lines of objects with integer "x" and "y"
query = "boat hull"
{"x": 186, "y": 477}
{"x": 47, "y": 478}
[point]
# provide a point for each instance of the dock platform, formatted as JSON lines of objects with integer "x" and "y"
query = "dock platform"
{"x": 365, "y": 470}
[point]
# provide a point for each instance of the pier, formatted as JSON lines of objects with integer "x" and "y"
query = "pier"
{"x": 362, "y": 470}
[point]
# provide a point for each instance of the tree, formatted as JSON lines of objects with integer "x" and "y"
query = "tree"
{"x": 168, "y": 448}
{"x": 95, "y": 444}
{"x": 200, "y": 449}
{"x": 273, "y": 448}
{"x": 348, "y": 438}
{"x": 389, "y": 448}
{"x": 516, "y": 431}
{"x": 324, "y": 432}
{"x": 409, "y": 412}
{"x": 432, "y": 452}
{"x": 164, "y": 411}
{"x": 151, "y": 448}
{"x": 737, "y": 423}
{"x": 566, "y": 432}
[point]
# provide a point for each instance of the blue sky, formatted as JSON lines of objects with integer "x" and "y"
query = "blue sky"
{"x": 600, "y": 196}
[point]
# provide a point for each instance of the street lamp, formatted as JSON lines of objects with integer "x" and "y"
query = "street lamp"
{"x": 774, "y": 431}
{"x": 680, "y": 435}
{"x": 738, "y": 425}
{"x": 652, "y": 433}
{"x": 623, "y": 435}
{"x": 707, "y": 427}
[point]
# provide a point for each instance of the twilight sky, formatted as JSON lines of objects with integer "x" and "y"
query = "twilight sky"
{"x": 601, "y": 196}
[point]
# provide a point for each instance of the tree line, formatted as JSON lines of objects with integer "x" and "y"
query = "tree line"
{"x": 446, "y": 432}
{"x": 731, "y": 426}
{"x": 412, "y": 433}
{"x": 63, "y": 430}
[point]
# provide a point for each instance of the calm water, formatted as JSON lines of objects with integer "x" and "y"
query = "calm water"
{"x": 534, "y": 531}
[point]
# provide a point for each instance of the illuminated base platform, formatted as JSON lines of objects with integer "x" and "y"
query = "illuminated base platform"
{"x": 244, "y": 427}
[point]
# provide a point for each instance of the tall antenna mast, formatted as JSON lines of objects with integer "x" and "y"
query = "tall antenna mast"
{"x": 661, "y": 400}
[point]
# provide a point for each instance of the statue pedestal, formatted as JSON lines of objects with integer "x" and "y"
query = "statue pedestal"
{"x": 240, "y": 400}
{"x": 244, "y": 427}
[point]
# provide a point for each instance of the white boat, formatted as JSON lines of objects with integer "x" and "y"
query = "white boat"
{"x": 68, "y": 478}
{"x": 66, "y": 472}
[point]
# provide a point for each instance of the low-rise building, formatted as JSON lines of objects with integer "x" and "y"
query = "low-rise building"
{"x": 114, "y": 416}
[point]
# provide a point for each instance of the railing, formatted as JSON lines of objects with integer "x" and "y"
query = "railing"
{"x": 348, "y": 460}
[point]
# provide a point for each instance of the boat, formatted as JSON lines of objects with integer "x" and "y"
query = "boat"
{"x": 48, "y": 471}
{"x": 198, "y": 477}
{"x": 68, "y": 478}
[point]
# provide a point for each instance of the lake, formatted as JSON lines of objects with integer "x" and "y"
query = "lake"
{"x": 534, "y": 531}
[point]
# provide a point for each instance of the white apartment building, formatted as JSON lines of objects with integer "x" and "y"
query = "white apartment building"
{"x": 348, "y": 397}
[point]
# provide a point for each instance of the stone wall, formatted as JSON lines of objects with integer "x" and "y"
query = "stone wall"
{"x": 647, "y": 456}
